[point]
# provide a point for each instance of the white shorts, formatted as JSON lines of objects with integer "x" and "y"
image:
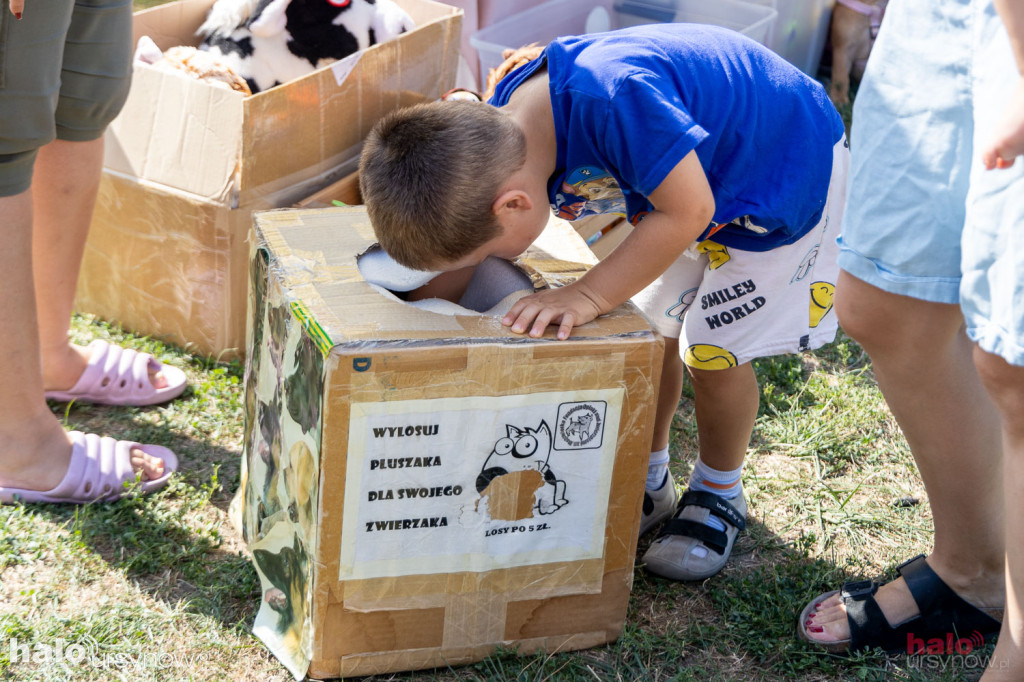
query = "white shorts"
{"x": 728, "y": 306}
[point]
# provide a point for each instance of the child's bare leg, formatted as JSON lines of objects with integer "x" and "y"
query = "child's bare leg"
{"x": 723, "y": 435}
{"x": 34, "y": 449}
{"x": 697, "y": 542}
{"x": 660, "y": 496}
{"x": 64, "y": 188}
{"x": 725, "y": 402}
{"x": 1005, "y": 383}
{"x": 922, "y": 362}
{"x": 669, "y": 392}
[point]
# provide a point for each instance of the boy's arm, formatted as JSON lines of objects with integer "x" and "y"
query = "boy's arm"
{"x": 683, "y": 206}
{"x": 1007, "y": 141}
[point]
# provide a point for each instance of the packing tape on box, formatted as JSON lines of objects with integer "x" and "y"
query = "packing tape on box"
{"x": 415, "y": 659}
{"x": 539, "y": 581}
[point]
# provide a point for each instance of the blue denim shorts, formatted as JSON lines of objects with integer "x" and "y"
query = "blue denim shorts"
{"x": 65, "y": 68}
{"x": 923, "y": 217}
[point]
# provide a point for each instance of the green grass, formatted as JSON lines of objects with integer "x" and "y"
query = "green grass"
{"x": 159, "y": 586}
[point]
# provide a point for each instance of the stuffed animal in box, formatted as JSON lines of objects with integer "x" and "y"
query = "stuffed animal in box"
{"x": 513, "y": 59}
{"x": 191, "y": 62}
{"x": 268, "y": 42}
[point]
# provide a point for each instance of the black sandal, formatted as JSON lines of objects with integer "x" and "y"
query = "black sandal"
{"x": 944, "y": 619}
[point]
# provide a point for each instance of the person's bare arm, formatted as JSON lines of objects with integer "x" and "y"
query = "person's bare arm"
{"x": 683, "y": 208}
{"x": 1007, "y": 141}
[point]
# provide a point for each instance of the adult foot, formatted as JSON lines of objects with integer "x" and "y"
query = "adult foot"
{"x": 108, "y": 374}
{"x": 63, "y": 368}
{"x": 37, "y": 460}
{"x": 827, "y": 623}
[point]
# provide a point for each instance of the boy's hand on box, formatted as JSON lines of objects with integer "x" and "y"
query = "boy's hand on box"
{"x": 568, "y": 307}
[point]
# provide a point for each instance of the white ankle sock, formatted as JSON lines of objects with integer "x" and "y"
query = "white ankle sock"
{"x": 657, "y": 469}
{"x": 725, "y": 484}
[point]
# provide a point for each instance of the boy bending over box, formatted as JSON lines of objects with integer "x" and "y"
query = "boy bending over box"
{"x": 730, "y": 163}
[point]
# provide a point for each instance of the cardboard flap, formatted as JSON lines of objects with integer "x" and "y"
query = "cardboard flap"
{"x": 319, "y": 121}
{"x": 218, "y": 144}
{"x": 171, "y": 24}
{"x": 179, "y": 130}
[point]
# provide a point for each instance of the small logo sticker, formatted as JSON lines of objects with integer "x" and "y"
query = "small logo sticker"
{"x": 580, "y": 425}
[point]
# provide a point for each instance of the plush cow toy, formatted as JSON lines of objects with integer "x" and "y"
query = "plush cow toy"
{"x": 268, "y": 42}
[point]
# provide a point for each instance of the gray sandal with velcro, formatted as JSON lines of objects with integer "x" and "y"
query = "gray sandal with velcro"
{"x": 671, "y": 555}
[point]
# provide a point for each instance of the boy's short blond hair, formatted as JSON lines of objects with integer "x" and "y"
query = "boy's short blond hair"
{"x": 429, "y": 175}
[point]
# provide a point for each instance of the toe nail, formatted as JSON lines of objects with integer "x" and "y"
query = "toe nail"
{"x": 816, "y": 629}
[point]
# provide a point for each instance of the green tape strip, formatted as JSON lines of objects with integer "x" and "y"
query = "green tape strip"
{"x": 313, "y": 328}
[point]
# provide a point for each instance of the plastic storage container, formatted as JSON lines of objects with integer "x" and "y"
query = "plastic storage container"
{"x": 547, "y": 21}
{"x": 800, "y": 32}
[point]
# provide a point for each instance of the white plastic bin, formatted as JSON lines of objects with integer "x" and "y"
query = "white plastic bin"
{"x": 547, "y": 21}
{"x": 800, "y": 31}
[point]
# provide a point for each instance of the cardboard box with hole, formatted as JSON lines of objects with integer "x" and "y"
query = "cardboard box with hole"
{"x": 187, "y": 163}
{"x": 420, "y": 485}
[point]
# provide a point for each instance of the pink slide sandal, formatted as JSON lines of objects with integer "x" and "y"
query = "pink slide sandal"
{"x": 120, "y": 376}
{"x": 98, "y": 470}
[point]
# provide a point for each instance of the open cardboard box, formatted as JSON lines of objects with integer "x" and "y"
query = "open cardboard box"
{"x": 187, "y": 163}
{"x": 383, "y": 539}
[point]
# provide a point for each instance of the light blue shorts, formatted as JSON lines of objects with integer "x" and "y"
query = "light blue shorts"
{"x": 923, "y": 217}
{"x": 65, "y": 68}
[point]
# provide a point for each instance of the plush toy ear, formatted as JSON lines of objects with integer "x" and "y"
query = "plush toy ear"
{"x": 147, "y": 51}
{"x": 390, "y": 21}
{"x": 271, "y": 20}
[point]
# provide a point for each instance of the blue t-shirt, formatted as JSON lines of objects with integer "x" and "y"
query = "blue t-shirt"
{"x": 630, "y": 104}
